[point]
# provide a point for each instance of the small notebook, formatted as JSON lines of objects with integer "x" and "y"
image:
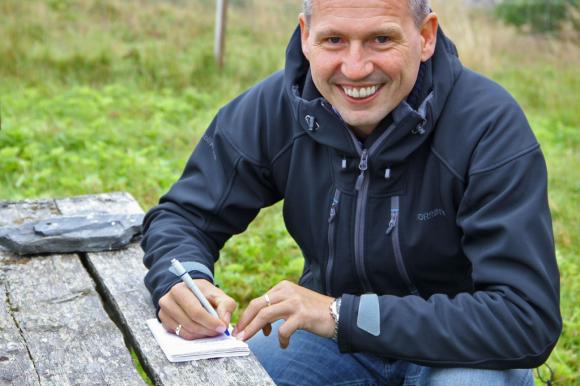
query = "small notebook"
{"x": 177, "y": 349}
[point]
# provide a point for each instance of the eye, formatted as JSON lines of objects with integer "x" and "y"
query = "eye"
{"x": 382, "y": 39}
{"x": 334, "y": 40}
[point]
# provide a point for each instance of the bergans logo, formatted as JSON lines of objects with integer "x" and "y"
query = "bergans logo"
{"x": 426, "y": 216}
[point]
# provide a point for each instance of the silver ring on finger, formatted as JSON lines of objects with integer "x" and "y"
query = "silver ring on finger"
{"x": 267, "y": 299}
{"x": 178, "y": 329}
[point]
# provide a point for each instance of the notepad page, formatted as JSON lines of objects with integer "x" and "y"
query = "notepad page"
{"x": 177, "y": 349}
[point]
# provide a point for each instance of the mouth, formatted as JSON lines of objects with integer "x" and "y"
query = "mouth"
{"x": 361, "y": 93}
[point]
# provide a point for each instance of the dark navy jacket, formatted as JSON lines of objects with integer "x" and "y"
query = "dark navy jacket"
{"x": 436, "y": 231}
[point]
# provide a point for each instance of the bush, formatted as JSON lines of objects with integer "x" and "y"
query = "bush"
{"x": 538, "y": 15}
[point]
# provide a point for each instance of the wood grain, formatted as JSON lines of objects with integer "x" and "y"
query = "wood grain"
{"x": 16, "y": 367}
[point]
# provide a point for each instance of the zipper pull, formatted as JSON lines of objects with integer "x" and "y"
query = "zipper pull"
{"x": 362, "y": 166}
{"x": 333, "y": 210}
{"x": 393, "y": 220}
{"x": 387, "y": 173}
{"x": 311, "y": 122}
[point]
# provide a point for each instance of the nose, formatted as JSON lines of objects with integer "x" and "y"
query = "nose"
{"x": 356, "y": 65}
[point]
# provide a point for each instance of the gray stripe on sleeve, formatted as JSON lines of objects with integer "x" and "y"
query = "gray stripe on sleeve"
{"x": 369, "y": 314}
{"x": 194, "y": 266}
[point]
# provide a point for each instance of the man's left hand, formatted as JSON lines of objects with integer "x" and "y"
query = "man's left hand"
{"x": 300, "y": 307}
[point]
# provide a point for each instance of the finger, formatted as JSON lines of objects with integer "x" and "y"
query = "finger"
{"x": 225, "y": 307}
{"x": 223, "y": 304}
{"x": 265, "y": 316}
{"x": 286, "y": 330}
{"x": 167, "y": 322}
{"x": 255, "y": 306}
{"x": 171, "y": 325}
{"x": 169, "y": 304}
{"x": 267, "y": 330}
{"x": 190, "y": 329}
{"x": 195, "y": 311}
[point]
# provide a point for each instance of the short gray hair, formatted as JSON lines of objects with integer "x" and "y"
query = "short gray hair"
{"x": 419, "y": 8}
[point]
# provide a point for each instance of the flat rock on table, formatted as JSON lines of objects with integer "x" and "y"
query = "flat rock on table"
{"x": 90, "y": 233}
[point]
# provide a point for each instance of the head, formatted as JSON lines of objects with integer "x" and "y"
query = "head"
{"x": 365, "y": 55}
{"x": 419, "y": 8}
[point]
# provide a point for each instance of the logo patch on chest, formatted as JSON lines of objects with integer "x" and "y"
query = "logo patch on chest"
{"x": 426, "y": 216}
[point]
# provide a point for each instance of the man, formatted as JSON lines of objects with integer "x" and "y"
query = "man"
{"x": 415, "y": 189}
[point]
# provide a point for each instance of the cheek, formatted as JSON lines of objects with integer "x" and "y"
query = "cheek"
{"x": 391, "y": 63}
{"x": 323, "y": 67}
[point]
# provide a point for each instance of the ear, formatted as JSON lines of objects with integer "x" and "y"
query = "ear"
{"x": 428, "y": 31}
{"x": 304, "y": 34}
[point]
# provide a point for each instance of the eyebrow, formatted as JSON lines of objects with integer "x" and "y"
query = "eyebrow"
{"x": 381, "y": 31}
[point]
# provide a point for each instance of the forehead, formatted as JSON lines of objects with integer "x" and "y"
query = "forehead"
{"x": 360, "y": 9}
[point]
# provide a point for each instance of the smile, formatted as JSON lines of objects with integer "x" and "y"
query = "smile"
{"x": 360, "y": 92}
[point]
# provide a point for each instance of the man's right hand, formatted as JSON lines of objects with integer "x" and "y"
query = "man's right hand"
{"x": 179, "y": 306}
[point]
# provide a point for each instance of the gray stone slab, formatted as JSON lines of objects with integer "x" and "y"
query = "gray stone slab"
{"x": 121, "y": 275}
{"x": 65, "y": 234}
{"x": 20, "y": 212}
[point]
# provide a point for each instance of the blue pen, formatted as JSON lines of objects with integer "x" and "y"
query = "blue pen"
{"x": 182, "y": 273}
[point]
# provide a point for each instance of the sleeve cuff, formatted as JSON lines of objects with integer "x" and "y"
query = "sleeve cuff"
{"x": 348, "y": 314}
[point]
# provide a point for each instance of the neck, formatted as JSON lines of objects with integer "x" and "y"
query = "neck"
{"x": 362, "y": 132}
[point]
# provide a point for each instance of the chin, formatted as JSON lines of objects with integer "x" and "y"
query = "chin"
{"x": 361, "y": 122}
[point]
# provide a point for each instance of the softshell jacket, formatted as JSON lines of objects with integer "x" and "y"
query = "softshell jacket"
{"x": 435, "y": 230}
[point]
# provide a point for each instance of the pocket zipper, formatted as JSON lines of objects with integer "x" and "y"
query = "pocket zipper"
{"x": 393, "y": 231}
{"x": 331, "y": 237}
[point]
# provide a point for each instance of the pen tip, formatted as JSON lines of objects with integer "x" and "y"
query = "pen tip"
{"x": 227, "y": 332}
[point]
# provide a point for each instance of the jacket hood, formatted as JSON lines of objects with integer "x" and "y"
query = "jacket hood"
{"x": 417, "y": 114}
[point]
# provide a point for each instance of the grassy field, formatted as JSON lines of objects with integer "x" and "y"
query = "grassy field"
{"x": 109, "y": 95}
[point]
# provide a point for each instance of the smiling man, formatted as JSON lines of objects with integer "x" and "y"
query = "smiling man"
{"x": 415, "y": 189}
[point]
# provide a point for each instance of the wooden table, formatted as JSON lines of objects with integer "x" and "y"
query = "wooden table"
{"x": 72, "y": 319}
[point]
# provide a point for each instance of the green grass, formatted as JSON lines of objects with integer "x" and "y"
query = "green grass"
{"x": 111, "y": 95}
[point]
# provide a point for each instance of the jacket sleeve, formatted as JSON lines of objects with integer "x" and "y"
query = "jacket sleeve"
{"x": 512, "y": 318}
{"x": 220, "y": 192}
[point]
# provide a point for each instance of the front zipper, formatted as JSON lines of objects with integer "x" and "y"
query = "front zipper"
{"x": 393, "y": 230}
{"x": 362, "y": 188}
{"x": 331, "y": 242}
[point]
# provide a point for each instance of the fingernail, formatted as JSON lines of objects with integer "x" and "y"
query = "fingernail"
{"x": 235, "y": 331}
{"x": 241, "y": 335}
{"x": 221, "y": 329}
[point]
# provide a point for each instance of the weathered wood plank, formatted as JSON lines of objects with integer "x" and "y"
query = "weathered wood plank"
{"x": 121, "y": 275}
{"x": 16, "y": 367}
{"x": 116, "y": 202}
{"x": 68, "y": 334}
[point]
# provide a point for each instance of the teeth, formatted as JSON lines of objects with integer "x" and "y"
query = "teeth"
{"x": 359, "y": 93}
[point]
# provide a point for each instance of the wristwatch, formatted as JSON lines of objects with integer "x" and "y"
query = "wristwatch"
{"x": 335, "y": 313}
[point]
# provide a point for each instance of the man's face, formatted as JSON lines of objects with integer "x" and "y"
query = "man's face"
{"x": 364, "y": 56}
